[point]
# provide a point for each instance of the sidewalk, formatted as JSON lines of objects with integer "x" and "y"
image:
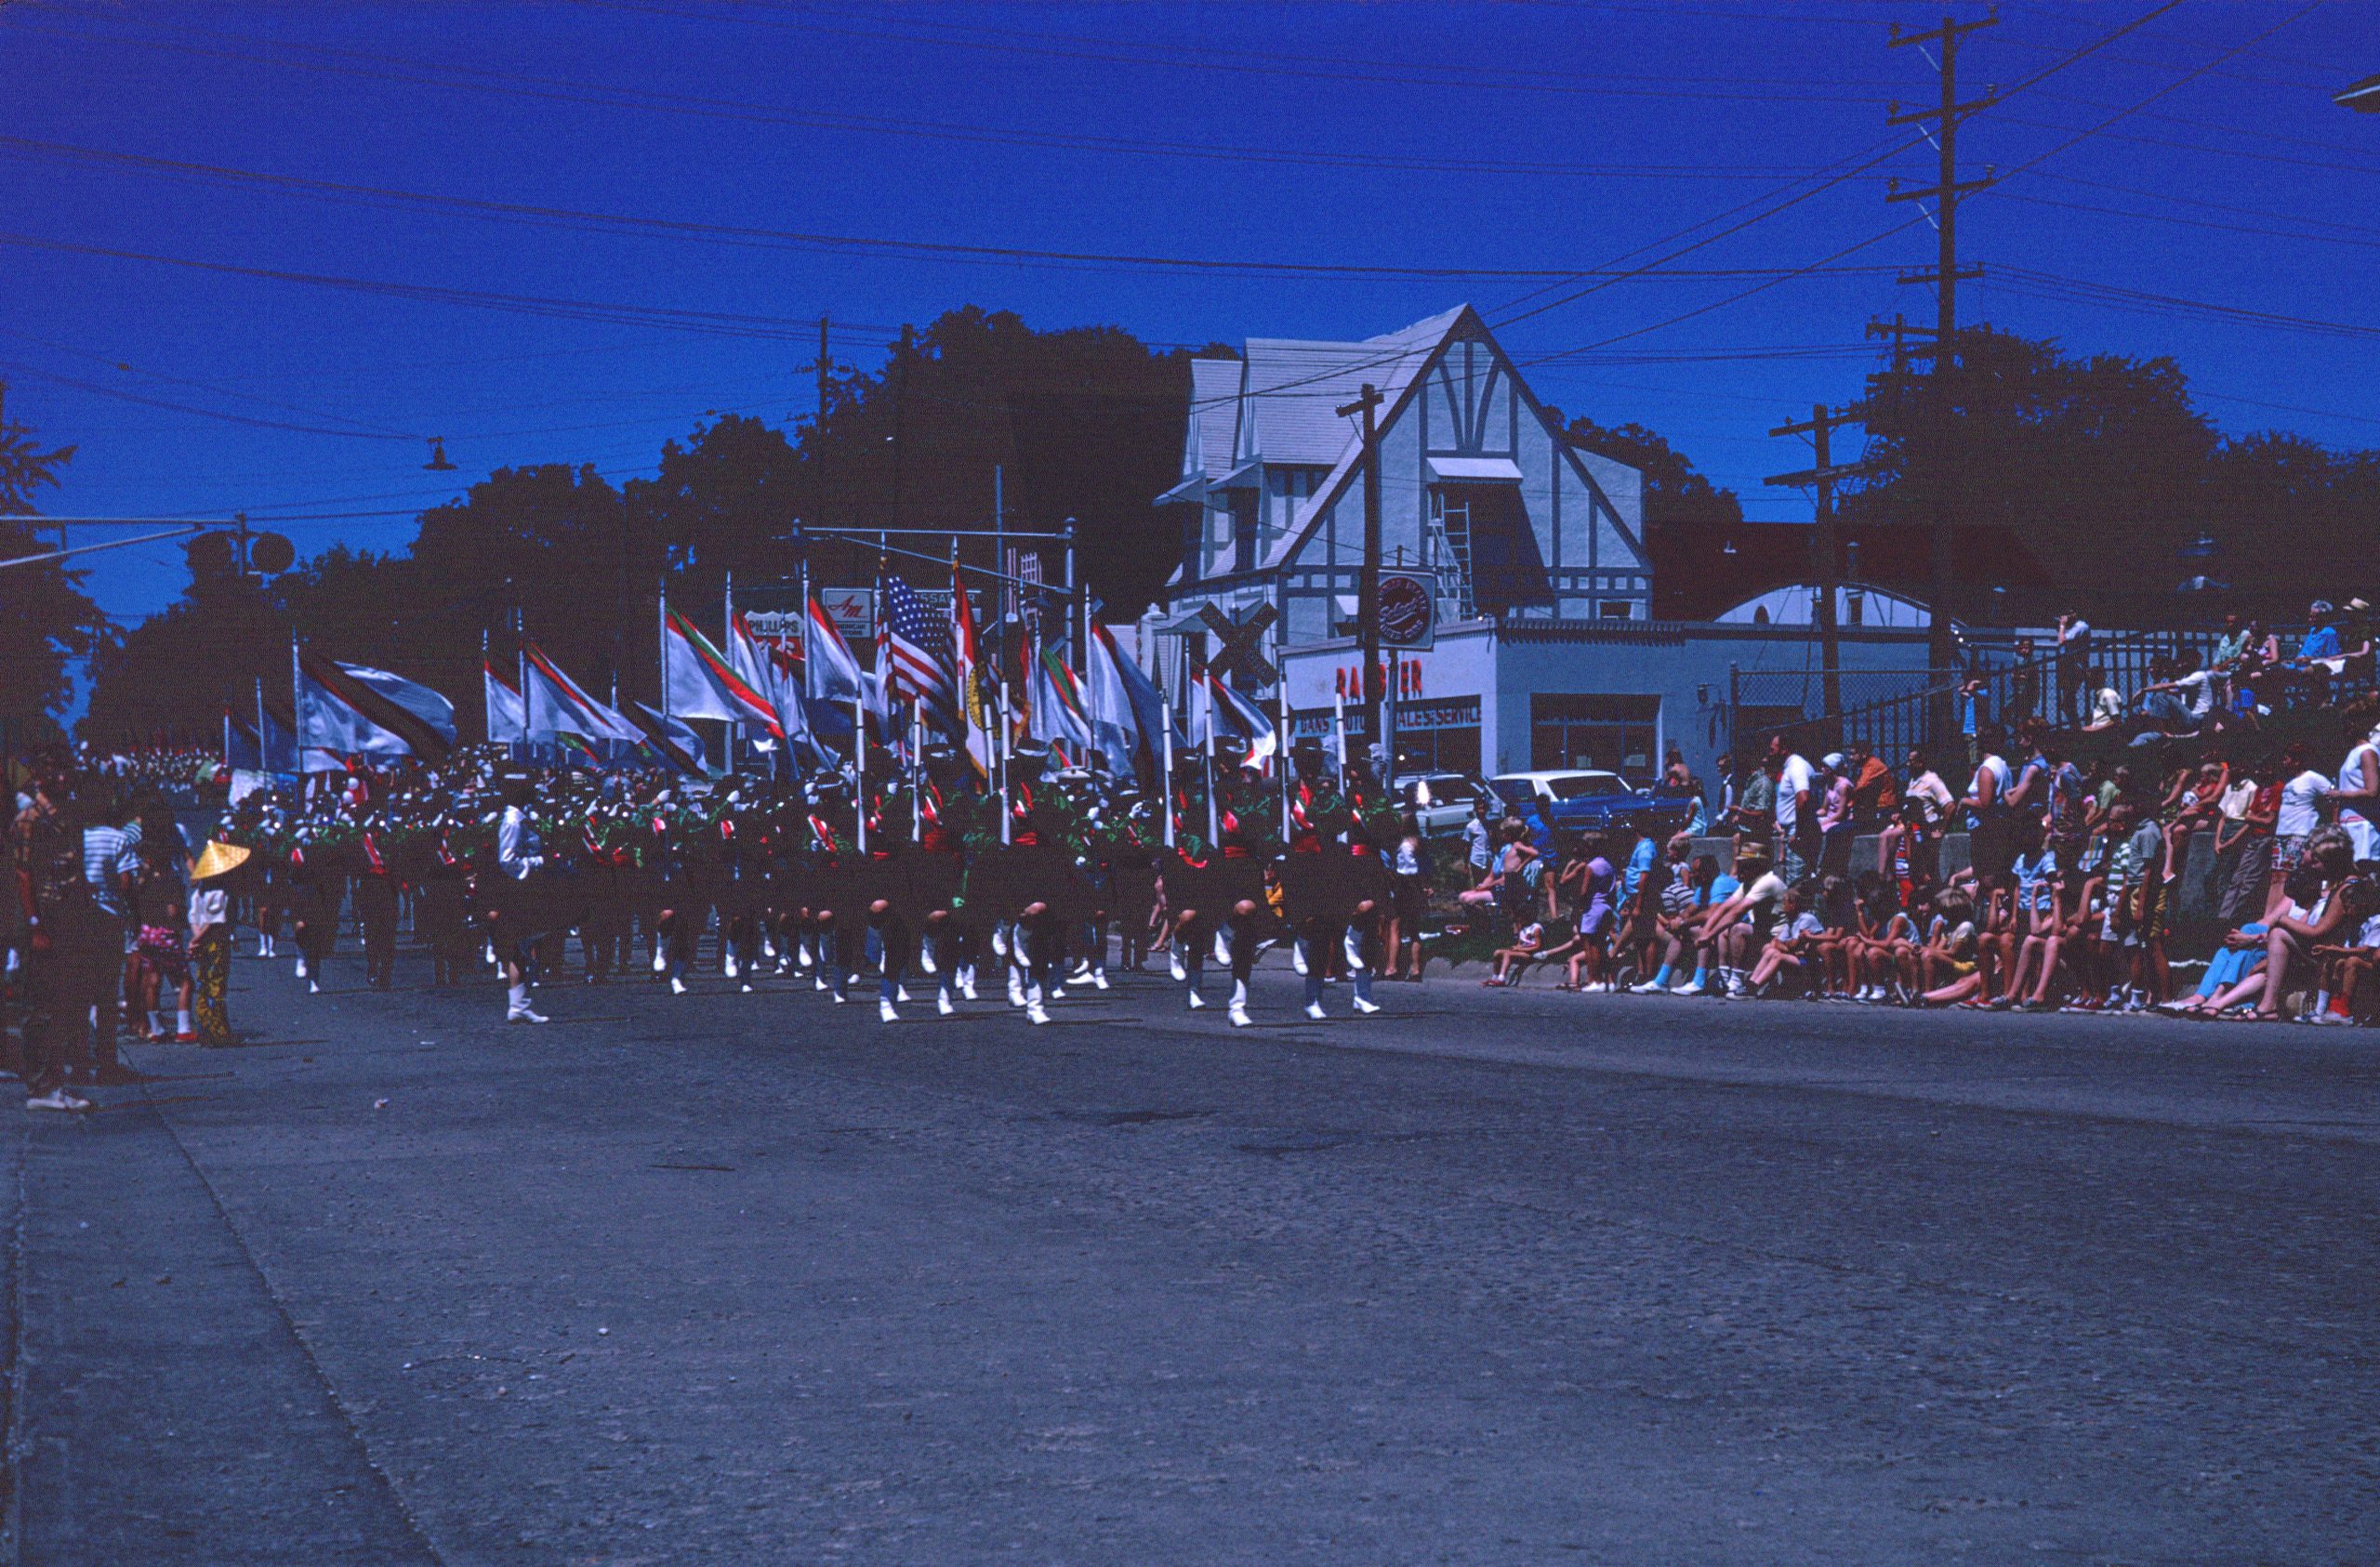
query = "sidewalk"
{"x": 161, "y": 1406}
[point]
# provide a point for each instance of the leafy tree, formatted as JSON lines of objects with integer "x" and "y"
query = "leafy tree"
{"x": 1084, "y": 422}
{"x": 46, "y": 621}
{"x": 2040, "y": 450}
{"x": 2295, "y": 517}
{"x": 1674, "y": 491}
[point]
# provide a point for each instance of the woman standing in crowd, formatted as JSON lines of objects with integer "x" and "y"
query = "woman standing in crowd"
{"x": 210, "y": 943}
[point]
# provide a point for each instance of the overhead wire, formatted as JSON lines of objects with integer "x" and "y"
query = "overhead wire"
{"x": 728, "y": 233}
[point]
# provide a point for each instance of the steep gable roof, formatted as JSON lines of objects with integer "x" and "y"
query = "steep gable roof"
{"x": 1394, "y": 362}
{"x": 1214, "y": 417}
{"x": 1294, "y": 388}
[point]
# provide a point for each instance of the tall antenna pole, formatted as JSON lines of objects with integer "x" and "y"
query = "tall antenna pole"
{"x": 818, "y": 428}
{"x": 1947, "y": 191}
{"x": 1824, "y": 550}
{"x": 1368, "y": 696}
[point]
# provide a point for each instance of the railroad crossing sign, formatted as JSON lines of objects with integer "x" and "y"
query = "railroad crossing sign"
{"x": 1241, "y": 653}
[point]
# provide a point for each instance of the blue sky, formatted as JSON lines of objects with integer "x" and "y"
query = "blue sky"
{"x": 1487, "y": 142}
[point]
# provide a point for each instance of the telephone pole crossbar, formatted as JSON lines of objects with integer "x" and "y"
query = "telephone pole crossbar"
{"x": 1825, "y": 552}
{"x": 1948, "y": 190}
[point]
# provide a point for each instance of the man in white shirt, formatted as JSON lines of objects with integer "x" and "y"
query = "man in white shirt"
{"x": 1795, "y": 782}
{"x": 2301, "y": 812}
{"x": 2073, "y": 667}
{"x": 2357, "y": 796}
{"x": 519, "y": 853}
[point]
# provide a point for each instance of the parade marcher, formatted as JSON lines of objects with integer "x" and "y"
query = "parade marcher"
{"x": 71, "y": 948}
{"x": 440, "y": 882}
{"x": 520, "y": 853}
{"x": 313, "y": 888}
{"x": 375, "y": 902}
{"x": 210, "y": 941}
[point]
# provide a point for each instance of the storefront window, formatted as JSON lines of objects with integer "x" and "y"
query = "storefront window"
{"x": 1617, "y": 733}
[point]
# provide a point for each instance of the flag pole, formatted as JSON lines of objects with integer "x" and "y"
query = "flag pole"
{"x": 859, "y": 760}
{"x": 1339, "y": 731}
{"x": 1207, "y": 754}
{"x": 917, "y": 786}
{"x": 1165, "y": 780}
{"x": 297, "y": 716}
{"x": 1007, "y": 740}
{"x": 1281, "y": 762}
{"x": 727, "y": 640}
{"x": 264, "y": 754}
{"x": 518, "y": 750}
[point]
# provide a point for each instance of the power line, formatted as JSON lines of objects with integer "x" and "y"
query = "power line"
{"x": 361, "y": 427}
{"x": 2051, "y": 285}
{"x": 773, "y": 238}
{"x": 98, "y": 389}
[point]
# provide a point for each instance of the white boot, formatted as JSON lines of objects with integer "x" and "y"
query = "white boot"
{"x": 1173, "y": 963}
{"x": 727, "y": 962}
{"x": 1353, "y": 947}
{"x": 1297, "y": 957}
{"x": 967, "y": 981}
{"x": 926, "y": 948}
{"x": 301, "y": 966}
{"x": 517, "y": 1008}
{"x": 1098, "y": 978}
{"x": 1033, "y": 1007}
{"x": 1313, "y": 1009}
{"x": 1222, "y": 946}
{"x": 884, "y": 1012}
{"x": 1015, "y": 989}
{"x": 677, "y": 984}
{"x": 1240, "y": 1017}
{"x": 942, "y": 1002}
{"x": 1197, "y": 1002}
{"x": 661, "y": 959}
{"x": 806, "y": 955}
{"x": 999, "y": 941}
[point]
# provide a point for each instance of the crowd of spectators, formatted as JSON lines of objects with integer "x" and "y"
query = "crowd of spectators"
{"x": 1833, "y": 883}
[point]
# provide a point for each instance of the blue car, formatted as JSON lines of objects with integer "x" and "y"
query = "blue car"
{"x": 1586, "y": 800}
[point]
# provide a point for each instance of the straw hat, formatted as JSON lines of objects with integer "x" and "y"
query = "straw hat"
{"x": 218, "y": 859}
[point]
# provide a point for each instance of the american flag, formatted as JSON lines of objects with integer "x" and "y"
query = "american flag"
{"x": 917, "y": 646}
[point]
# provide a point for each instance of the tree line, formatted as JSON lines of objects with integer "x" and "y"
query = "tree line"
{"x": 2098, "y": 467}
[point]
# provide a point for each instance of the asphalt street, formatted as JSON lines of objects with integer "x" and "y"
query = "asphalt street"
{"x": 1493, "y": 1277}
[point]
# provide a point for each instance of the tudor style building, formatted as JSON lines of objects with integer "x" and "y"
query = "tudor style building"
{"x": 1546, "y": 654}
{"x": 1477, "y": 484}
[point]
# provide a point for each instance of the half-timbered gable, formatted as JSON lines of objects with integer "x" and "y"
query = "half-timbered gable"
{"x": 1477, "y": 484}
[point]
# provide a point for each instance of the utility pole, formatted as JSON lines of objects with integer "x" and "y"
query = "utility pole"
{"x": 900, "y": 417}
{"x": 1824, "y": 550}
{"x": 1368, "y": 402}
{"x": 825, "y": 367}
{"x": 1947, "y": 190}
